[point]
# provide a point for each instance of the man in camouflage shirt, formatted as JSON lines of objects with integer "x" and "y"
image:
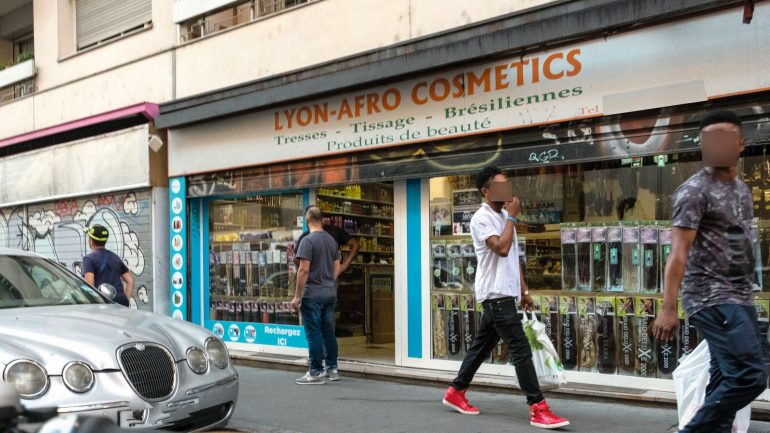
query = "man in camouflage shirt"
{"x": 712, "y": 260}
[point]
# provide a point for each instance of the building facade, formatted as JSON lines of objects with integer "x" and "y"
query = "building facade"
{"x": 383, "y": 119}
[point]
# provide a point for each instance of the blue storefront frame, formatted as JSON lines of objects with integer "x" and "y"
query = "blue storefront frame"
{"x": 290, "y": 336}
{"x": 268, "y": 334}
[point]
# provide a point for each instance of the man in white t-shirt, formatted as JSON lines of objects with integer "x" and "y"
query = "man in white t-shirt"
{"x": 500, "y": 286}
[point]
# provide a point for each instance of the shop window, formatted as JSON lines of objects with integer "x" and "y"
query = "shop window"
{"x": 593, "y": 242}
{"x": 251, "y": 270}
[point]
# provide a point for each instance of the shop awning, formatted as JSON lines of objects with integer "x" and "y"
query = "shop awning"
{"x": 110, "y": 121}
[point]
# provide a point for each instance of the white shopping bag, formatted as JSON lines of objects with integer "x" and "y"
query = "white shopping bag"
{"x": 550, "y": 371}
{"x": 690, "y": 381}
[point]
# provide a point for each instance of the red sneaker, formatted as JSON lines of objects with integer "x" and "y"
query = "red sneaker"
{"x": 457, "y": 401}
{"x": 541, "y": 416}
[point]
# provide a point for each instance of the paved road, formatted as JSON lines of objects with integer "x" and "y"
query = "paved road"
{"x": 270, "y": 402}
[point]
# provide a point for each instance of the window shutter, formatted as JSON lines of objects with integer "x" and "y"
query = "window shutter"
{"x": 98, "y": 20}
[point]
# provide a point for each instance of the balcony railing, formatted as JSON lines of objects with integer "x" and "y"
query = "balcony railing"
{"x": 17, "y": 81}
{"x": 233, "y": 15}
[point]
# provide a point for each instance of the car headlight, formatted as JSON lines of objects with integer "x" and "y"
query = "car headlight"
{"x": 28, "y": 378}
{"x": 197, "y": 360}
{"x": 217, "y": 353}
{"x": 78, "y": 377}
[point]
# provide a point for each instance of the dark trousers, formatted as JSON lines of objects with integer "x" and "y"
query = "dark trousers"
{"x": 318, "y": 319}
{"x": 738, "y": 372}
{"x": 501, "y": 319}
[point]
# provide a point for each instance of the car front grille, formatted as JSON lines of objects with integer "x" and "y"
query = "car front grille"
{"x": 150, "y": 370}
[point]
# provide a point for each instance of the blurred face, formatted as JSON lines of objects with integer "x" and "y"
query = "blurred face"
{"x": 721, "y": 145}
{"x": 498, "y": 190}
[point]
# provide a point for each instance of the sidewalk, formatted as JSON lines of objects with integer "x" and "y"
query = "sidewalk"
{"x": 270, "y": 402}
{"x": 760, "y": 410}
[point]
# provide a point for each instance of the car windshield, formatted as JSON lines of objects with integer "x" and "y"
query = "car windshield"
{"x": 37, "y": 282}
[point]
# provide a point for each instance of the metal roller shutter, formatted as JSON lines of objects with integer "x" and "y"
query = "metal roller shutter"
{"x": 55, "y": 230}
{"x": 98, "y": 20}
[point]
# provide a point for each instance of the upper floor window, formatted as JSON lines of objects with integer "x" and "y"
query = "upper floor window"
{"x": 99, "y": 21}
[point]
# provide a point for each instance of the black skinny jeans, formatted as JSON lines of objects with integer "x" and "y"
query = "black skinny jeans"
{"x": 501, "y": 319}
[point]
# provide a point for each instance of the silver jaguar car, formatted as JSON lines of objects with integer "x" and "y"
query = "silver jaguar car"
{"x": 64, "y": 344}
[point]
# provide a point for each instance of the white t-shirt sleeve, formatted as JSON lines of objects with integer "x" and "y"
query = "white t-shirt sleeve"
{"x": 483, "y": 228}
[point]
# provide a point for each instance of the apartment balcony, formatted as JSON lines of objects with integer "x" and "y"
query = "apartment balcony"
{"x": 199, "y": 18}
{"x": 17, "y": 48}
{"x": 17, "y": 81}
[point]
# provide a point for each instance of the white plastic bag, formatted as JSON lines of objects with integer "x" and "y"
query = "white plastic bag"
{"x": 550, "y": 371}
{"x": 690, "y": 381}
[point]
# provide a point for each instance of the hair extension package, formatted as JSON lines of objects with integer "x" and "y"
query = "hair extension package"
{"x": 439, "y": 328}
{"x": 664, "y": 237}
{"x": 632, "y": 258}
{"x": 615, "y": 258}
{"x": 470, "y": 263}
{"x": 599, "y": 258}
{"x": 650, "y": 258}
{"x": 584, "y": 257}
{"x": 569, "y": 332}
{"x": 645, "y": 341}
{"x": 626, "y": 330}
{"x": 549, "y": 308}
{"x": 568, "y": 257}
{"x": 454, "y": 326}
{"x": 440, "y": 277}
{"x": 468, "y": 312}
{"x": 606, "y": 343}
{"x": 454, "y": 262}
{"x": 587, "y": 316}
{"x": 666, "y": 353}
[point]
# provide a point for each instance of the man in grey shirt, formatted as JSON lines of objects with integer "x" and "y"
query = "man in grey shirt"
{"x": 316, "y": 298}
{"x": 713, "y": 261}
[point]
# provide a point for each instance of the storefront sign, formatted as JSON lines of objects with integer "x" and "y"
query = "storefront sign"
{"x": 661, "y": 66}
{"x": 260, "y": 333}
{"x": 178, "y": 247}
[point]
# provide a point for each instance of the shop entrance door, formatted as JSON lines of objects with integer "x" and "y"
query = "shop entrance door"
{"x": 365, "y": 323}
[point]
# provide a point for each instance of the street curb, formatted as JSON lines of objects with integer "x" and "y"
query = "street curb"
{"x": 486, "y": 383}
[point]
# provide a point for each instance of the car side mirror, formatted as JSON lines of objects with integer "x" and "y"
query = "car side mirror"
{"x": 108, "y": 290}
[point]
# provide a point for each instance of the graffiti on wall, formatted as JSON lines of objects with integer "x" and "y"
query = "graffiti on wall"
{"x": 56, "y": 230}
